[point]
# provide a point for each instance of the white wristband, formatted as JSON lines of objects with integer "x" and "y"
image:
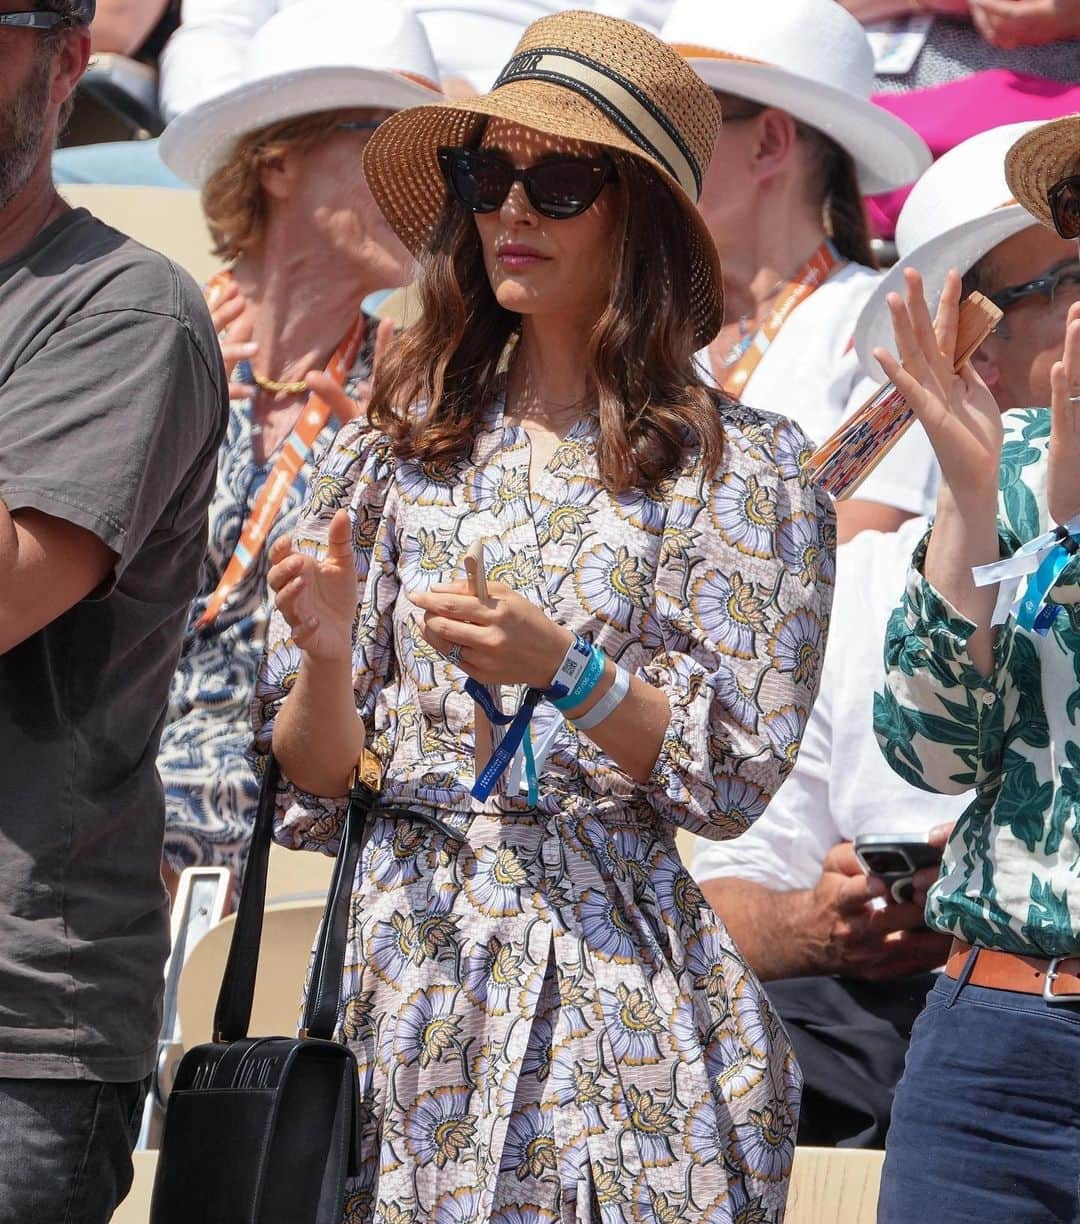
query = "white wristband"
{"x": 606, "y": 705}
{"x": 574, "y": 663}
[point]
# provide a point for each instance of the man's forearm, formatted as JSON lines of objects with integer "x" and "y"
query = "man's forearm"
{"x": 768, "y": 927}
{"x": 46, "y": 566}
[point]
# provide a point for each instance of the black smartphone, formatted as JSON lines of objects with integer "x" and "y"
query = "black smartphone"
{"x": 895, "y": 857}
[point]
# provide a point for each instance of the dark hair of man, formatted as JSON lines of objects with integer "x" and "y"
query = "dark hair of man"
{"x": 834, "y": 184}
{"x": 652, "y": 405}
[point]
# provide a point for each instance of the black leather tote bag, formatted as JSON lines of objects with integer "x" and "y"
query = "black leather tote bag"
{"x": 265, "y": 1130}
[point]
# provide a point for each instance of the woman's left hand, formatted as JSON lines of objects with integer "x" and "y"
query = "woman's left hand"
{"x": 504, "y": 639}
{"x": 348, "y": 407}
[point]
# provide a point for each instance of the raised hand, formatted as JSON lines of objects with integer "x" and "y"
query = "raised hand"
{"x": 318, "y": 598}
{"x": 957, "y": 410}
{"x": 1063, "y": 460}
{"x": 347, "y": 407}
{"x": 226, "y": 305}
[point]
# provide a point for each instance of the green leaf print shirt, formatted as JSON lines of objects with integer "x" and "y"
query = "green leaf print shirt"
{"x": 1011, "y": 872}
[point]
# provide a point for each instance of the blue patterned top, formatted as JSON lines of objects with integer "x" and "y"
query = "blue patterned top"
{"x": 210, "y": 789}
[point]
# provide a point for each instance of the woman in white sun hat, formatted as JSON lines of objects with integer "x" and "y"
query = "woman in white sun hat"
{"x": 278, "y": 161}
{"x": 783, "y": 200}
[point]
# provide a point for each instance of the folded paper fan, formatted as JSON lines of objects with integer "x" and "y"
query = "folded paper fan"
{"x": 845, "y": 459}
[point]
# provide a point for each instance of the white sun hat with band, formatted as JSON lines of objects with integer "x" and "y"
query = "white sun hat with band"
{"x": 959, "y": 210}
{"x": 315, "y": 55}
{"x": 586, "y": 77}
{"x": 810, "y": 58}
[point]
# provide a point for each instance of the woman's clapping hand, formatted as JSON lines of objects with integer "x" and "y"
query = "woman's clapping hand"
{"x": 1063, "y": 461}
{"x": 318, "y": 597}
{"x": 226, "y": 305}
{"x": 504, "y": 639}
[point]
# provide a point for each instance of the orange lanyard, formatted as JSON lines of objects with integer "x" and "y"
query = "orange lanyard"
{"x": 814, "y": 273}
{"x": 287, "y": 467}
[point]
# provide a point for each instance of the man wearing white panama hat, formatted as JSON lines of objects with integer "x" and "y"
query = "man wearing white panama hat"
{"x": 783, "y": 201}
{"x": 982, "y": 659}
{"x": 962, "y": 214}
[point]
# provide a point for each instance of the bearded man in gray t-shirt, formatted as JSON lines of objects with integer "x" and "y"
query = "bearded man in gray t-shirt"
{"x": 112, "y": 406}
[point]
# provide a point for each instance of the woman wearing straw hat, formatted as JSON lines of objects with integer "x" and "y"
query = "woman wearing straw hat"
{"x": 982, "y": 662}
{"x": 551, "y": 1022}
{"x": 277, "y": 159}
{"x": 783, "y": 200}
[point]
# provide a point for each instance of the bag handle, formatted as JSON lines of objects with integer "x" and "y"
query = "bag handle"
{"x": 233, "y": 1013}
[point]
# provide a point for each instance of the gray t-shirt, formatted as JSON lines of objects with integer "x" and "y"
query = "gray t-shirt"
{"x": 113, "y": 403}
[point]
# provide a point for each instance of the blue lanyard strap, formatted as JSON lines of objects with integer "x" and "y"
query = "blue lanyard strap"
{"x": 517, "y": 726}
{"x": 1033, "y": 612}
{"x": 1010, "y": 571}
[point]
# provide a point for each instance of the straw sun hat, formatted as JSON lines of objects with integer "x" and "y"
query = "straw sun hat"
{"x": 583, "y": 76}
{"x": 810, "y": 58}
{"x": 315, "y": 55}
{"x": 1040, "y": 159}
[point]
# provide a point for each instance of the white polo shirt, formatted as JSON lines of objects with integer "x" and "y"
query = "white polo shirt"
{"x": 840, "y": 786}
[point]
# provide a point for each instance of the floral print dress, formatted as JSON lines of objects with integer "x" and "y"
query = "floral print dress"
{"x": 552, "y": 1025}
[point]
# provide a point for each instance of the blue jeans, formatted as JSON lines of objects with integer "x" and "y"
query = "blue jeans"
{"x": 986, "y": 1120}
{"x": 65, "y": 1149}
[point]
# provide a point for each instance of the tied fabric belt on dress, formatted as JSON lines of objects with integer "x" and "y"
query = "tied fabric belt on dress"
{"x": 1057, "y": 978}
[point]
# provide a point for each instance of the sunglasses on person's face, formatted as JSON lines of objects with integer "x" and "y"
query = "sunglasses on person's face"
{"x": 1062, "y": 282}
{"x": 34, "y": 21}
{"x": 557, "y": 187}
{"x": 1064, "y": 201}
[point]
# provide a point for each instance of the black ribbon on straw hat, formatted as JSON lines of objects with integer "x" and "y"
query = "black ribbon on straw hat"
{"x": 630, "y": 109}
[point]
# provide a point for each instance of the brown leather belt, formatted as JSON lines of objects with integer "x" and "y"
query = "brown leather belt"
{"x": 1057, "y": 980}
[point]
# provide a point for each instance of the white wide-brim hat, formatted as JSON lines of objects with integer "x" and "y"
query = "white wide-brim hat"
{"x": 315, "y": 55}
{"x": 957, "y": 212}
{"x": 810, "y": 58}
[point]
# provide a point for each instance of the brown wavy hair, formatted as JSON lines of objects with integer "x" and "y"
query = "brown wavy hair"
{"x": 652, "y": 405}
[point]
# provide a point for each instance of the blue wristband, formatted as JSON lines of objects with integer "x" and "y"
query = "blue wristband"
{"x": 1034, "y": 613}
{"x": 590, "y": 678}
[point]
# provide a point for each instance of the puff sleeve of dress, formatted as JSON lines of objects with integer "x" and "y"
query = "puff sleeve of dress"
{"x": 355, "y": 474}
{"x": 738, "y": 625}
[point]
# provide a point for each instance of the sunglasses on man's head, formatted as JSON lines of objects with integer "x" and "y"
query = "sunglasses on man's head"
{"x": 36, "y": 20}
{"x": 1064, "y": 201}
{"x": 557, "y": 187}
